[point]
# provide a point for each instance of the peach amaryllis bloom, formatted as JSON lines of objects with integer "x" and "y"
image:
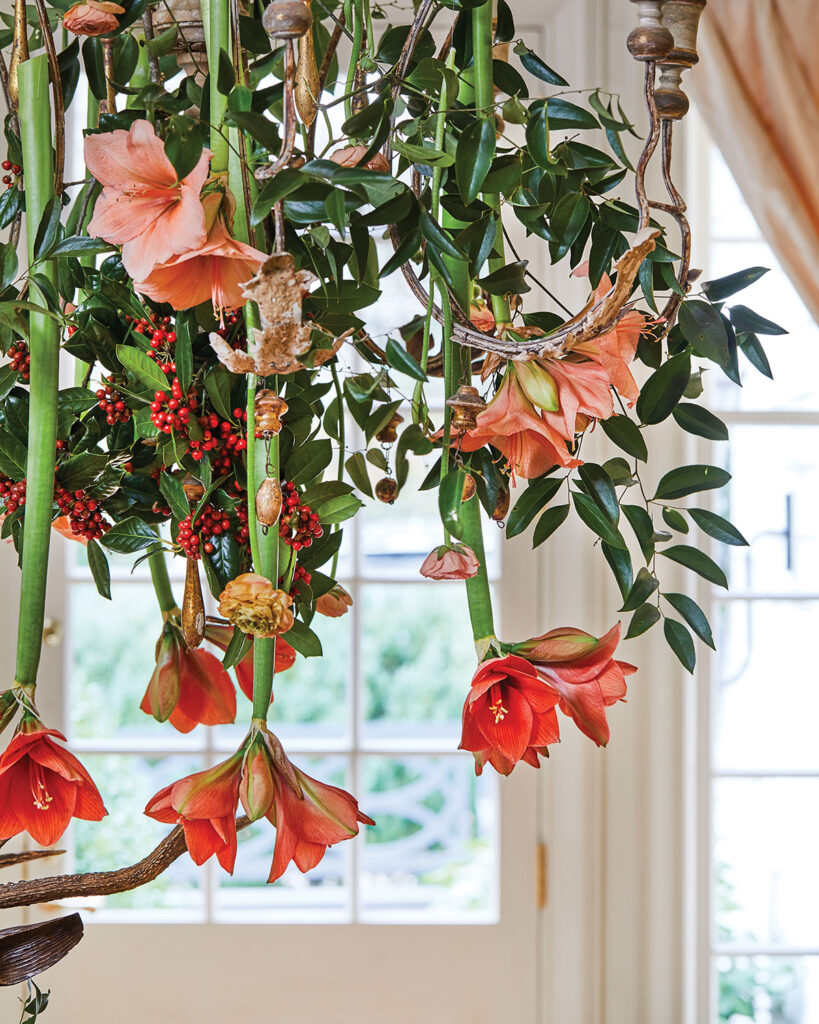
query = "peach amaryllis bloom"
{"x": 582, "y": 671}
{"x": 450, "y": 562}
{"x": 188, "y": 687}
{"x": 334, "y": 603}
{"x": 92, "y": 17}
{"x": 616, "y": 349}
{"x": 204, "y": 804}
{"x": 482, "y": 316}
{"x": 143, "y": 206}
{"x": 511, "y": 424}
{"x": 214, "y": 271}
{"x": 43, "y": 786}
{"x": 583, "y": 390}
{"x": 508, "y": 715}
{"x": 220, "y": 636}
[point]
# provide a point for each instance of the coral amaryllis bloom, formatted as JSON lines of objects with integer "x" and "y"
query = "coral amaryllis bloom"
{"x": 334, "y": 603}
{"x": 214, "y": 271}
{"x": 508, "y": 715}
{"x": 92, "y": 17}
{"x": 450, "y": 562}
{"x": 188, "y": 687}
{"x": 307, "y": 824}
{"x": 511, "y": 424}
{"x": 143, "y": 206}
{"x": 582, "y": 670}
{"x": 582, "y": 389}
{"x": 221, "y": 636}
{"x": 43, "y": 786}
{"x": 204, "y": 804}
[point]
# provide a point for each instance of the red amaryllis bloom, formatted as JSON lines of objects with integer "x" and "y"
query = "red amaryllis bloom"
{"x": 508, "y": 715}
{"x": 221, "y": 636}
{"x": 92, "y": 17}
{"x": 511, "y": 424}
{"x": 582, "y": 670}
{"x": 308, "y": 820}
{"x": 214, "y": 271}
{"x": 450, "y": 562}
{"x": 204, "y": 804}
{"x": 144, "y": 207}
{"x": 188, "y": 687}
{"x": 334, "y": 603}
{"x": 43, "y": 786}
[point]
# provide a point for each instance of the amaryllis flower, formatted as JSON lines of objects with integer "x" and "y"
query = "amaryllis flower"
{"x": 508, "y": 715}
{"x": 482, "y": 316}
{"x": 144, "y": 207}
{"x": 450, "y": 562}
{"x": 252, "y": 603}
{"x": 583, "y": 390}
{"x": 334, "y": 603}
{"x": 582, "y": 670}
{"x": 43, "y": 786}
{"x": 221, "y": 636}
{"x": 212, "y": 271}
{"x": 188, "y": 687}
{"x": 204, "y": 804}
{"x": 511, "y": 424}
{"x": 92, "y": 17}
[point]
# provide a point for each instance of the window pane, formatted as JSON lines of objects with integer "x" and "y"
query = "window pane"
{"x": 417, "y": 659}
{"x": 432, "y": 856}
{"x": 126, "y": 835}
{"x": 766, "y": 699}
{"x": 323, "y": 894}
{"x": 766, "y": 849}
{"x": 778, "y": 518}
{"x": 768, "y": 990}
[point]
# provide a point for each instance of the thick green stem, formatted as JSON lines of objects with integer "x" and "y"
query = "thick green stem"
{"x": 477, "y": 588}
{"x": 161, "y": 580}
{"x": 252, "y": 484}
{"x": 485, "y": 103}
{"x": 264, "y": 650}
{"x": 44, "y": 345}
{"x": 216, "y": 19}
{"x": 142, "y": 72}
{"x": 342, "y": 445}
{"x": 358, "y": 35}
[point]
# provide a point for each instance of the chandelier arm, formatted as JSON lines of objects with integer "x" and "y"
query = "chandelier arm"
{"x": 676, "y": 209}
{"x": 649, "y": 148}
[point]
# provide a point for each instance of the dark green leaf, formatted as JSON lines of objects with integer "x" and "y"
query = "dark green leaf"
{"x": 680, "y": 642}
{"x": 596, "y": 521}
{"x": 745, "y": 319}
{"x": 693, "y": 615}
{"x": 663, "y": 389}
{"x": 698, "y": 562}
{"x": 563, "y": 114}
{"x": 601, "y": 489}
{"x": 536, "y": 496}
{"x": 689, "y": 480}
{"x": 308, "y": 461}
{"x": 619, "y": 561}
{"x": 717, "y": 527}
{"x": 80, "y": 245}
{"x": 641, "y": 524}
{"x": 129, "y": 535}
{"x": 98, "y": 564}
{"x": 701, "y": 422}
{"x": 626, "y": 435}
{"x": 702, "y": 327}
{"x": 138, "y": 365}
{"x": 643, "y": 587}
{"x": 400, "y": 360}
{"x": 173, "y": 490}
{"x": 723, "y": 287}
{"x": 302, "y": 639}
{"x": 642, "y": 620}
{"x": 508, "y": 280}
{"x": 551, "y": 519}
{"x": 675, "y": 519}
{"x": 217, "y": 385}
{"x": 473, "y": 158}
{"x": 435, "y": 235}
{"x": 755, "y": 354}
{"x": 535, "y": 66}
{"x": 356, "y": 467}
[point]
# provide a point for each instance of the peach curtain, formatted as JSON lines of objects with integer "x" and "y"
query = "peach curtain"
{"x": 757, "y": 86}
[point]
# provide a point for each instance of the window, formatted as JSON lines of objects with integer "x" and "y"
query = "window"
{"x": 761, "y": 760}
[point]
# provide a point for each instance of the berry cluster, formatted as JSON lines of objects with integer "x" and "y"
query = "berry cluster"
{"x": 221, "y": 440}
{"x": 235, "y": 325}
{"x": 298, "y": 524}
{"x": 159, "y": 330}
{"x": 20, "y": 359}
{"x": 12, "y": 495}
{"x": 112, "y": 403}
{"x": 299, "y": 574}
{"x": 15, "y": 169}
{"x": 85, "y": 517}
{"x": 194, "y": 536}
{"x": 173, "y": 412}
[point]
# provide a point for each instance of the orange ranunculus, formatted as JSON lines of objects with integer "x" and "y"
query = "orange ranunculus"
{"x": 204, "y": 804}
{"x": 334, "y": 603}
{"x": 252, "y": 603}
{"x": 43, "y": 786}
{"x": 213, "y": 271}
{"x": 510, "y": 423}
{"x": 582, "y": 670}
{"x": 450, "y": 562}
{"x": 143, "y": 206}
{"x": 188, "y": 687}
{"x": 221, "y": 636}
{"x": 92, "y": 17}
{"x": 508, "y": 715}
{"x": 349, "y": 156}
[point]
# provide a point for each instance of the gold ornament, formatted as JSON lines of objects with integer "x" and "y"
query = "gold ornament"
{"x": 193, "y": 607}
{"x": 307, "y": 86}
{"x": 502, "y": 505}
{"x": 466, "y": 404}
{"x": 386, "y": 490}
{"x": 388, "y": 433}
{"x": 469, "y": 487}
{"x": 287, "y": 19}
{"x": 269, "y": 502}
{"x": 269, "y": 408}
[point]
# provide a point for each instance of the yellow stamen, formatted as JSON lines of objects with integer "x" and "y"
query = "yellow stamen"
{"x": 499, "y": 711}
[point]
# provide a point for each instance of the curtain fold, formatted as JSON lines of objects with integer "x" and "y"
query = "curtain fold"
{"x": 757, "y": 86}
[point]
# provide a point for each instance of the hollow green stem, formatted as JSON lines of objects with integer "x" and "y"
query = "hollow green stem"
{"x": 44, "y": 345}
{"x": 216, "y": 19}
{"x": 160, "y": 579}
{"x": 478, "y": 594}
{"x": 252, "y": 484}
{"x": 485, "y": 103}
{"x": 358, "y": 36}
{"x": 264, "y": 650}
{"x": 342, "y": 442}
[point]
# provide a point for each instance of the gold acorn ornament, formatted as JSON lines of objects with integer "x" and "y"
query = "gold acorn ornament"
{"x": 386, "y": 490}
{"x": 193, "y": 606}
{"x": 269, "y": 409}
{"x": 501, "y": 505}
{"x": 268, "y": 502}
{"x": 389, "y": 432}
{"x": 287, "y": 19}
{"x": 469, "y": 487}
{"x": 466, "y": 405}
{"x": 307, "y": 85}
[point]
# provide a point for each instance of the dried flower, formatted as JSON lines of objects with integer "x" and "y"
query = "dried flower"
{"x": 450, "y": 562}
{"x": 252, "y": 603}
{"x": 92, "y": 17}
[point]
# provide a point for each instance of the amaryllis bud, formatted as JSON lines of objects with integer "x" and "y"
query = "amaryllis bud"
{"x": 450, "y": 562}
{"x": 335, "y": 603}
{"x": 538, "y": 385}
{"x": 252, "y": 603}
{"x": 162, "y": 694}
{"x": 482, "y": 317}
{"x": 8, "y": 708}
{"x": 257, "y": 789}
